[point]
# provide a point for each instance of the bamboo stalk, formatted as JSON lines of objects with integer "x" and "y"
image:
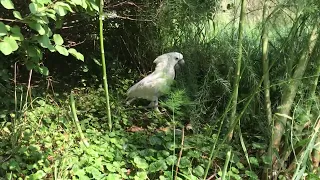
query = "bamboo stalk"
{"x": 104, "y": 69}
{"x": 265, "y": 64}
{"x": 76, "y": 120}
{"x": 238, "y": 70}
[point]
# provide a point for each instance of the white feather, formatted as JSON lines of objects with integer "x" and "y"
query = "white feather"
{"x": 157, "y": 83}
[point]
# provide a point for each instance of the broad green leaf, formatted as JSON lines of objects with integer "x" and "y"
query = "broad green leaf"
{"x": 114, "y": 177}
{"x": 33, "y": 7}
{"x": 154, "y": 140}
{"x": 77, "y": 2}
{"x": 94, "y": 6}
{"x": 42, "y": 20}
{"x": 11, "y": 42}
{"x": 140, "y": 163}
{"x": 38, "y": 175}
{"x": 17, "y": 15}
{"x": 8, "y": 28}
{"x": 254, "y": 161}
{"x": 3, "y": 29}
{"x": 44, "y": 42}
{"x": 141, "y": 175}
{"x": 251, "y": 174}
{"x": 51, "y": 14}
{"x": 111, "y": 167}
{"x": 57, "y": 39}
{"x": 13, "y": 165}
{"x": 43, "y": 70}
{"x": 84, "y": 4}
{"x": 64, "y": 5}
{"x": 30, "y": 65}
{"x": 76, "y": 54}
{"x": 60, "y": 10}
{"x": 5, "y": 48}
{"x": 62, "y": 50}
{"x": 199, "y": 171}
{"x": 157, "y": 166}
{"x": 47, "y": 30}
{"x": 81, "y": 174}
{"x": 34, "y": 51}
{"x": 43, "y": 2}
{"x": 7, "y": 4}
{"x": 16, "y": 33}
{"x": 185, "y": 162}
{"x": 170, "y": 160}
{"x": 37, "y": 27}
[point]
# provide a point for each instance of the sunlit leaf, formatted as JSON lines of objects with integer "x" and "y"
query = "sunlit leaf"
{"x": 140, "y": 163}
{"x": 141, "y": 175}
{"x": 37, "y": 27}
{"x": 3, "y": 29}
{"x": 5, "y": 48}
{"x": 38, "y": 175}
{"x": 64, "y": 5}
{"x": 43, "y": 70}
{"x": 17, "y": 15}
{"x": 57, "y": 39}
{"x": 16, "y": 34}
{"x": 60, "y": 10}
{"x": 77, "y": 2}
{"x": 33, "y": 7}
{"x": 11, "y": 42}
{"x": 62, "y": 50}
{"x": 76, "y": 54}
{"x": 43, "y": 2}
{"x": 254, "y": 161}
{"x": 7, "y": 4}
{"x": 114, "y": 177}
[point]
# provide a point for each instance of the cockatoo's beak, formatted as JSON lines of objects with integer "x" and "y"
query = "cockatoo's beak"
{"x": 180, "y": 62}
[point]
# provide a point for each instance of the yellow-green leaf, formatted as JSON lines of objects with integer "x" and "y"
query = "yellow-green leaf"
{"x": 37, "y": 27}
{"x": 3, "y": 29}
{"x": 76, "y": 54}
{"x": 57, "y": 39}
{"x": 13, "y": 44}
{"x": 7, "y": 4}
{"x": 17, "y": 15}
{"x": 5, "y": 48}
{"x": 62, "y": 50}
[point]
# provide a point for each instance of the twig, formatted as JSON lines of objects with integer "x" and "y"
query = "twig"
{"x": 29, "y": 90}
{"x": 122, "y": 3}
{"x": 180, "y": 154}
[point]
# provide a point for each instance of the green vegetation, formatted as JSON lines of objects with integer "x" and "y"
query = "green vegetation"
{"x": 244, "y": 106}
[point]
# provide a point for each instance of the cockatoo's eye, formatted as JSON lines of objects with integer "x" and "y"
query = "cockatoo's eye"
{"x": 176, "y": 58}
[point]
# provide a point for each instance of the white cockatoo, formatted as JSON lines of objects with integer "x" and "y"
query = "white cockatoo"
{"x": 157, "y": 83}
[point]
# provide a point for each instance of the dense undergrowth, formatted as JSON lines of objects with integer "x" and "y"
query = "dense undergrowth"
{"x": 46, "y": 145}
{"x": 40, "y": 137}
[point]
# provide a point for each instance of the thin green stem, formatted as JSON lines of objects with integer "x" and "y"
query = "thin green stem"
{"x": 104, "y": 69}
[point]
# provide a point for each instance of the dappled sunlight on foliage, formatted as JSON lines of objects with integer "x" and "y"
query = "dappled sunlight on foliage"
{"x": 51, "y": 60}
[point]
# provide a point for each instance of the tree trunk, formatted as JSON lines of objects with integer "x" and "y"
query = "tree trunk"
{"x": 289, "y": 95}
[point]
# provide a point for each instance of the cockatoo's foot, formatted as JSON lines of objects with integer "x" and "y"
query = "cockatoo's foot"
{"x": 157, "y": 110}
{"x": 130, "y": 101}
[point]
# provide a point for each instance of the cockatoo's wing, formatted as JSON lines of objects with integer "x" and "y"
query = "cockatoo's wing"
{"x": 151, "y": 87}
